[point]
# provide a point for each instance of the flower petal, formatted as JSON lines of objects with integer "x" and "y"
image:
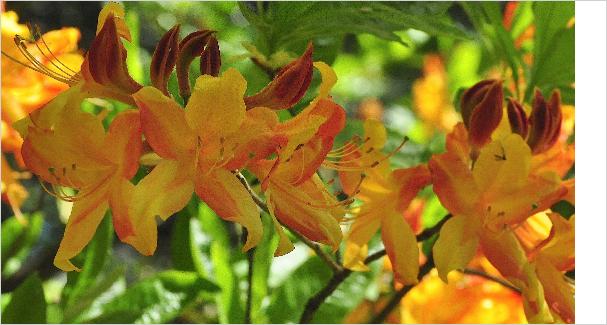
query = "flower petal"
{"x": 502, "y": 166}
{"x": 163, "y": 192}
{"x": 164, "y": 124}
{"x": 456, "y": 244}
{"x": 401, "y": 248}
{"x": 140, "y": 233}
{"x": 223, "y": 193}
{"x": 362, "y": 230}
{"x": 84, "y": 219}
{"x": 453, "y": 183}
{"x": 123, "y": 142}
{"x": 558, "y": 292}
{"x": 217, "y": 107}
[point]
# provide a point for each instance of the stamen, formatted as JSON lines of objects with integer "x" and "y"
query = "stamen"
{"x": 35, "y": 64}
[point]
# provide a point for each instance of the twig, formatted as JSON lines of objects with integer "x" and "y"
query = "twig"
{"x": 492, "y": 278}
{"x": 315, "y": 301}
{"x": 315, "y": 247}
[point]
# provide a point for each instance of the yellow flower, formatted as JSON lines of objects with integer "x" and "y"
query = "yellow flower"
{"x": 486, "y": 197}
{"x": 385, "y": 194}
{"x": 73, "y": 150}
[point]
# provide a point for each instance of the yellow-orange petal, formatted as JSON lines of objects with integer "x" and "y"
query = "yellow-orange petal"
{"x": 401, "y": 248}
{"x": 223, "y": 193}
{"x": 216, "y": 108}
{"x": 558, "y": 291}
{"x": 84, "y": 219}
{"x": 123, "y": 142}
{"x": 456, "y": 244}
{"x": 163, "y": 192}
{"x": 164, "y": 124}
{"x": 502, "y": 166}
{"x": 284, "y": 243}
{"x": 362, "y": 230}
{"x": 453, "y": 183}
{"x": 140, "y": 233}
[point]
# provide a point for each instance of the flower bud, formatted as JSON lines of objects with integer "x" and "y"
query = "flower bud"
{"x": 105, "y": 63}
{"x": 517, "y": 118}
{"x": 190, "y": 47}
{"x": 481, "y": 109}
{"x": 164, "y": 59}
{"x": 289, "y": 85}
{"x": 210, "y": 59}
{"x": 545, "y": 121}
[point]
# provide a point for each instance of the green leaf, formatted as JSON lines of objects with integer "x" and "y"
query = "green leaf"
{"x": 93, "y": 259}
{"x": 229, "y": 303}
{"x": 27, "y": 305}
{"x": 159, "y": 299}
{"x": 554, "y": 46}
{"x": 262, "y": 260}
{"x": 287, "y": 23}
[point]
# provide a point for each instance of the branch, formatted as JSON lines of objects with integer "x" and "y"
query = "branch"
{"x": 315, "y": 301}
{"x": 315, "y": 247}
{"x": 492, "y": 278}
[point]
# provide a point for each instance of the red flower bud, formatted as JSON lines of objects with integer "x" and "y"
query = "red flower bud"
{"x": 545, "y": 121}
{"x": 517, "y": 118}
{"x": 210, "y": 59}
{"x": 190, "y": 47}
{"x": 289, "y": 85}
{"x": 481, "y": 109}
{"x": 164, "y": 59}
{"x": 105, "y": 63}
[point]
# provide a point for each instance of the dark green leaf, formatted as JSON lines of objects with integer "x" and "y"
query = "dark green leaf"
{"x": 155, "y": 300}
{"x": 563, "y": 208}
{"x": 27, "y": 305}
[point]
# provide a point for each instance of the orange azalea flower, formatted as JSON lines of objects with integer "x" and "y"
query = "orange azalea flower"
{"x": 24, "y": 90}
{"x": 75, "y": 151}
{"x": 486, "y": 197}
{"x": 296, "y": 196}
{"x": 199, "y": 147}
{"x": 386, "y": 195}
{"x": 549, "y": 240}
{"x": 431, "y": 97}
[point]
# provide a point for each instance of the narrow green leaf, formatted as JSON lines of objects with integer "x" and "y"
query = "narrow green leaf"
{"x": 229, "y": 301}
{"x": 27, "y": 305}
{"x": 264, "y": 254}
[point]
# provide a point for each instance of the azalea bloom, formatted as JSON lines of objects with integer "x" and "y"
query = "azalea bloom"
{"x": 296, "y": 196}
{"x": 549, "y": 242}
{"x": 75, "y": 151}
{"x": 200, "y": 146}
{"x": 25, "y": 89}
{"x": 385, "y": 194}
{"x": 486, "y": 197}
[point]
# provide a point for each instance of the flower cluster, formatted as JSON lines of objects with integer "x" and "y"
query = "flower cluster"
{"x": 503, "y": 168}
